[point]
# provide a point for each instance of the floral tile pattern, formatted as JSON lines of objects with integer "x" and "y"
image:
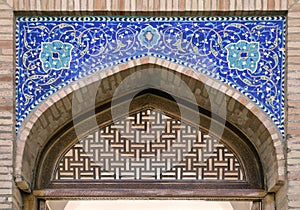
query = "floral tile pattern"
{"x": 56, "y": 55}
{"x": 247, "y": 53}
{"x": 243, "y": 55}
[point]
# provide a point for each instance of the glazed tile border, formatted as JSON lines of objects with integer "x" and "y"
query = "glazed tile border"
{"x": 247, "y": 53}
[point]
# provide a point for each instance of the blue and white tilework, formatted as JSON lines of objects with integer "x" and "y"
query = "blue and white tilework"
{"x": 246, "y": 53}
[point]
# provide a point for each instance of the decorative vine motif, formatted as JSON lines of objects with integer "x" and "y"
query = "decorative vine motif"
{"x": 246, "y": 53}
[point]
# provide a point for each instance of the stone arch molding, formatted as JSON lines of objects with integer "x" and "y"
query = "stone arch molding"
{"x": 50, "y": 116}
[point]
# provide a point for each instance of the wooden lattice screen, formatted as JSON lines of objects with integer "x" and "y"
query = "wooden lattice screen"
{"x": 149, "y": 145}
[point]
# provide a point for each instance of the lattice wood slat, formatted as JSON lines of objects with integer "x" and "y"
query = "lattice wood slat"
{"x": 149, "y": 145}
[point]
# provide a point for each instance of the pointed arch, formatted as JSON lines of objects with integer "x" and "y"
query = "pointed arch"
{"x": 43, "y": 123}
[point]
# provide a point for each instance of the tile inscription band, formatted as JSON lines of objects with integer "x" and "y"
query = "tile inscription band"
{"x": 247, "y": 53}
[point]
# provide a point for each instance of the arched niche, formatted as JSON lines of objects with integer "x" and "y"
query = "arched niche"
{"x": 50, "y": 119}
{"x": 171, "y": 135}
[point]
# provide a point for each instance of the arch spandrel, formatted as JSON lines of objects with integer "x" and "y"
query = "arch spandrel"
{"x": 246, "y": 53}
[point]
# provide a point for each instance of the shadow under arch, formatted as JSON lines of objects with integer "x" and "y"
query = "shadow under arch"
{"x": 234, "y": 139}
{"x": 55, "y": 112}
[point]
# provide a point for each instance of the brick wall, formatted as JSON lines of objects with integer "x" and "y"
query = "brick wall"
{"x": 6, "y": 104}
{"x": 293, "y": 106}
{"x": 8, "y": 190}
{"x": 150, "y": 5}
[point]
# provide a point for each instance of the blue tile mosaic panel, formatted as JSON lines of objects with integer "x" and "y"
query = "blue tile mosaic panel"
{"x": 246, "y": 53}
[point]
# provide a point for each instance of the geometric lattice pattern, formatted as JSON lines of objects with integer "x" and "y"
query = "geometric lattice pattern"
{"x": 149, "y": 145}
{"x": 246, "y": 53}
